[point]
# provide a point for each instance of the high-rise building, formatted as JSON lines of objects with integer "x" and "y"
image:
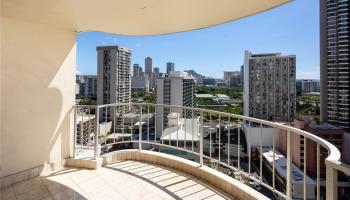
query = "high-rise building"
{"x": 228, "y": 75}
{"x": 87, "y": 85}
{"x": 113, "y": 76}
{"x": 156, "y": 70}
{"x": 269, "y": 86}
{"x": 307, "y": 86}
{"x": 154, "y": 76}
{"x": 90, "y": 86}
{"x": 334, "y": 63}
{"x": 170, "y": 67}
{"x": 178, "y": 88}
{"x": 148, "y": 66}
{"x": 233, "y": 78}
{"x": 242, "y": 74}
{"x": 137, "y": 70}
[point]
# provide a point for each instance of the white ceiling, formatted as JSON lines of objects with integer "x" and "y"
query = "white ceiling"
{"x": 134, "y": 17}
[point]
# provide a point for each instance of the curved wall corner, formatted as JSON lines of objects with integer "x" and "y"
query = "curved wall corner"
{"x": 38, "y": 64}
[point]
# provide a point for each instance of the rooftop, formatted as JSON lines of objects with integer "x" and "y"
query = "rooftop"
{"x": 222, "y": 96}
{"x": 204, "y": 96}
{"x": 281, "y": 167}
{"x": 187, "y": 130}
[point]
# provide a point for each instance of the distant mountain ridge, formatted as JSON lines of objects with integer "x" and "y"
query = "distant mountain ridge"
{"x": 196, "y": 75}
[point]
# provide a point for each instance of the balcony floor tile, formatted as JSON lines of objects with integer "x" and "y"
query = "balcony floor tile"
{"x": 126, "y": 180}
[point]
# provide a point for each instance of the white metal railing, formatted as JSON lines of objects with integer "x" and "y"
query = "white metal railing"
{"x": 104, "y": 128}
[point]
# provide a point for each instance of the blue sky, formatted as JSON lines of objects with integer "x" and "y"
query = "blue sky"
{"x": 291, "y": 29}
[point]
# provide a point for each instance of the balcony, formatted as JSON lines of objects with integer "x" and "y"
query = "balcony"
{"x": 37, "y": 100}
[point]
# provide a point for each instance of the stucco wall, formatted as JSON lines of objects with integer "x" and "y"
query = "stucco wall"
{"x": 37, "y": 94}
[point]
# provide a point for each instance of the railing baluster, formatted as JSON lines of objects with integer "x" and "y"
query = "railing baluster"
{"x": 114, "y": 124}
{"x": 201, "y": 141}
{"x": 273, "y": 162}
{"x": 140, "y": 129}
{"x": 75, "y": 131}
{"x": 97, "y": 153}
{"x": 228, "y": 142}
{"x": 177, "y": 129}
{"x": 123, "y": 126}
{"x": 289, "y": 167}
{"x": 162, "y": 127}
{"x": 193, "y": 130}
{"x": 81, "y": 132}
{"x": 106, "y": 114}
{"x": 168, "y": 126}
{"x": 147, "y": 123}
{"x": 318, "y": 194}
{"x": 185, "y": 124}
{"x": 249, "y": 149}
{"x": 89, "y": 129}
{"x": 331, "y": 182}
{"x": 305, "y": 175}
{"x": 210, "y": 136}
{"x": 155, "y": 123}
{"x": 219, "y": 138}
{"x": 239, "y": 146}
{"x": 261, "y": 153}
{"x": 131, "y": 123}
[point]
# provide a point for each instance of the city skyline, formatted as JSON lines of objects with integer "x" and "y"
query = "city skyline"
{"x": 298, "y": 33}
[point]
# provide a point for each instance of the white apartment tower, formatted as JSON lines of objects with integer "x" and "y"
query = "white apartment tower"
{"x": 270, "y": 86}
{"x": 113, "y": 76}
{"x": 178, "y": 88}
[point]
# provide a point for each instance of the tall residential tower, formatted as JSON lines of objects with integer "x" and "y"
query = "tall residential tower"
{"x": 148, "y": 66}
{"x": 178, "y": 88}
{"x": 113, "y": 76}
{"x": 270, "y": 86}
{"x": 334, "y": 63}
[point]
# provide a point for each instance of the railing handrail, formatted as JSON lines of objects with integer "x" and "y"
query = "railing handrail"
{"x": 332, "y": 161}
{"x": 334, "y": 154}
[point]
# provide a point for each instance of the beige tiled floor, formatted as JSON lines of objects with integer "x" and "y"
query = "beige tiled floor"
{"x": 123, "y": 180}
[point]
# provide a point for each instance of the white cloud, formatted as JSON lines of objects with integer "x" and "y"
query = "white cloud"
{"x": 309, "y": 74}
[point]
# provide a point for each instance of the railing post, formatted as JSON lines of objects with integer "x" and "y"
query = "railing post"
{"x": 140, "y": 129}
{"x": 201, "y": 141}
{"x": 331, "y": 183}
{"x": 75, "y": 131}
{"x": 97, "y": 129}
{"x": 289, "y": 167}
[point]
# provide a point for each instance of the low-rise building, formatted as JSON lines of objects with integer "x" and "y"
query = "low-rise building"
{"x": 307, "y": 86}
{"x": 86, "y": 86}
{"x": 328, "y": 132}
{"x": 271, "y": 157}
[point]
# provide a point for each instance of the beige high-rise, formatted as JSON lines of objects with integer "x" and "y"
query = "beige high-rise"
{"x": 270, "y": 86}
{"x": 114, "y": 76}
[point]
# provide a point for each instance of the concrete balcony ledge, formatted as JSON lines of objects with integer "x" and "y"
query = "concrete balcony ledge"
{"x": 235, "y": 188}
